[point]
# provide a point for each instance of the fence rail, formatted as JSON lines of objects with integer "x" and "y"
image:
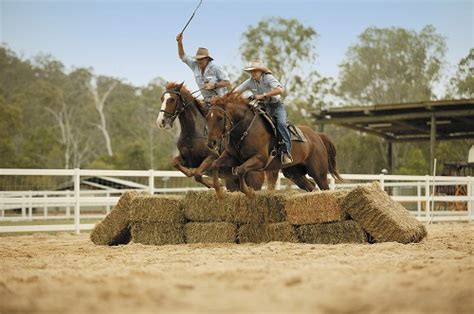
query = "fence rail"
{"x": 418, "y": 193}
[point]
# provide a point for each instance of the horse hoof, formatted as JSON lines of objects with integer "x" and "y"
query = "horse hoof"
{"x": 250, "y": 194}
{"x": 220, "y": 194}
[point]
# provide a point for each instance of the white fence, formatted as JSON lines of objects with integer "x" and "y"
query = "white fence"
{"x": 420, "y": 194}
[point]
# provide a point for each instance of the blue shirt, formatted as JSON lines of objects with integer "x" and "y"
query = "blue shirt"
{"x": 267, "y": 83}
{"x": 212, "y": 74}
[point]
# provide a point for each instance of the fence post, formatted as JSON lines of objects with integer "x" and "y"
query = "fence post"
{"x": 68, "y": 206}
{"x": 45, "y": 205}
{"x": 23, "y": 208}
{"x": 151, "y": 182}
{"x": 30, "y": 206}
{"x": 418, "y": 194}
{"x": 427, "y": 196}
{"x": 382, "y": 181}
{"x": 77, "y": 200}
{"x": 470, "y": 197}
{"x": 332, "y": 183}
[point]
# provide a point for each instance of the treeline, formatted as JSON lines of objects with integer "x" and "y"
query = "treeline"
{"x": 52, "y": 117}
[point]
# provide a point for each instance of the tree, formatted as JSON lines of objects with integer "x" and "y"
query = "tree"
{"x": 283, "y": 44}
{"x": 463, "y": 81}
{"x": 108, "y": 85}
{"x": 392, "y": 65}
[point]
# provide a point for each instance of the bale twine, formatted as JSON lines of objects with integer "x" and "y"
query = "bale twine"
{"x": 114, "y": 228}
{"x": 315, "y": 207}
{"x": 157, "y": 233}
{"x": 347, "y": 231}
{"x": 235, "y": 207}
{"x": 157, "y": 208}
{"x": 210, "y": 232}
{"x": 258, "y": 233}
{"x": 384, "y": 219}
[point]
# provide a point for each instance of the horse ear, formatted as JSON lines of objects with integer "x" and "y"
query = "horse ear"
{"x": 180, "y": 85}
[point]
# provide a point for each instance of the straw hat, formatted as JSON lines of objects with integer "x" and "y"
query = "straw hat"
{"x": 257, "y": 65}
{"x": 202, "y": 53}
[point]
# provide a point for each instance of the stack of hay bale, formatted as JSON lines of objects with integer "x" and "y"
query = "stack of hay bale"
{"x": 328, "y": 217}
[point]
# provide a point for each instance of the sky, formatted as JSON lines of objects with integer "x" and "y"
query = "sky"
{"x": 135, "y": 40}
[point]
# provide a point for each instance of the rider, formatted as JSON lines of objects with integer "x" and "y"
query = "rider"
{"x": 209, "y": 77}
{"x": 266, "y": 88}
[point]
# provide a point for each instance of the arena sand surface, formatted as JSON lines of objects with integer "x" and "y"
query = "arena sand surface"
{"x": 66, "y": 273}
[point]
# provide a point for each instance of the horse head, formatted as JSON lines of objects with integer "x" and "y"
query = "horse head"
{"x": 221, "y": 117}
{"x": 172, "y": 104}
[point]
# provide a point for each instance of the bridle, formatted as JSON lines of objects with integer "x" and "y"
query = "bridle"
{"x": 178, "y": 109}
{"x": 228, "y": 130}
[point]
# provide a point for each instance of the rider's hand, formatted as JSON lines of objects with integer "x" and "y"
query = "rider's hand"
{"x": 210, "y": 86}
{"x": 179, "y": 37}
{"x": 260, "y": 97}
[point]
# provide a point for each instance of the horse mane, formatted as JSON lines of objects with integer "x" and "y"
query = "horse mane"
{"x": 188, "y": 96}
{"x": 230, "y": 97}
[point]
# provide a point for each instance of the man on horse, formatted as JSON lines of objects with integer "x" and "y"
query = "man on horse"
{"x": 210, "y": 78}
{"x": 267, "y": 90}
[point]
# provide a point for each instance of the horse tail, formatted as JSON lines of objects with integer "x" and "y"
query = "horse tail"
{"x": 331, "y": 150}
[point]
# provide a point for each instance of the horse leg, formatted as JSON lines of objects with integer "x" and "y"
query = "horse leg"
{"x": 244, "y": 188}
{"x": 177, "y": 162}
{"x": 319, "y": 175}
{"x": 217, "y": 185}
{"x": 271, "y": 178}
{"x": 198, "y": 173}
{"x": 253, "y": 163}
{"x": 224, "y": 160}
{"x": 298, "y": 176}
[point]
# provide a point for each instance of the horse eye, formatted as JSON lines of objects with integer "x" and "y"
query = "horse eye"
{"x": 219, "y": 118}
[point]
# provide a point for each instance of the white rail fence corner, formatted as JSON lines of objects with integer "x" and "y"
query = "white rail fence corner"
{"x": 20, "y": 209}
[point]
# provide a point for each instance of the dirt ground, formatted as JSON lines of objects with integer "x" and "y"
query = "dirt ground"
{"x": 66, "y": 273}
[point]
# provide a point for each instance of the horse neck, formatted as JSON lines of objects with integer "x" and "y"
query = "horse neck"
{"x": 191, "y": 120}
{"x": 238, "y": 113}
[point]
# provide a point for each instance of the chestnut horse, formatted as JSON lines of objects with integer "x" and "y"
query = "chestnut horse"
{"x": 249, "y": 139}
{"x": 178, "y": 102}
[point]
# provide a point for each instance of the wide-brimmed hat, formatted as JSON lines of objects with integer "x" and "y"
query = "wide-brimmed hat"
{"x": 202, "y": 53}
{"x": 257, "y": 65}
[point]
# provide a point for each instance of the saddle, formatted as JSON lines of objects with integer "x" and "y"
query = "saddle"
{"x": 295, "y": 132}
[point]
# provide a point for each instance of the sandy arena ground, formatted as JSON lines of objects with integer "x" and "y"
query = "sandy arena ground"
{"x": 68, "y": 274}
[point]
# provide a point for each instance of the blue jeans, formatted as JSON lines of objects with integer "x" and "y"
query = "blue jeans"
{"x": 279, "y": 114}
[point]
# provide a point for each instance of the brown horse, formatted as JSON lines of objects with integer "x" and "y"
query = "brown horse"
{"x": 178, "y": 102}
{"x": 249, "y": 140}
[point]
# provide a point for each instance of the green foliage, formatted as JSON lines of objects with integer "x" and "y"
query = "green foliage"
{"x": 392, "y": 65}
{"x": 288, "y": 47}
{"x": 49, "y": 119}
{"x": 463, "y": 81}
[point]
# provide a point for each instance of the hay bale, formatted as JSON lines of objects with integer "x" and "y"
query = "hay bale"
{"x": 114, "y": 228}
{"x": 157, "y": 208}
{"x": 282, "y": 232}
{"x": 252, "y": 233}
{"x": 258, "y": 233}
{"x": 235, "y": 207}
{"x": 381, "y": 217}
{"x": 315, "y": 207}
{"x": 347, "y": 231}
{"x": 273, "y": 204}
{"x": 156, "y": 233}
{"x": 210, "y": 232}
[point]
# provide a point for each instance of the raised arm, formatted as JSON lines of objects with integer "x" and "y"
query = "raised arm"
{"x": 179, "y": 39}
